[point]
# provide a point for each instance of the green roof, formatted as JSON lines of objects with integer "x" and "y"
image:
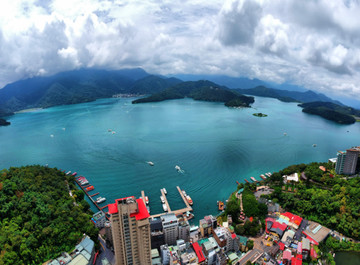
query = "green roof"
{"x": 243, "y": 240}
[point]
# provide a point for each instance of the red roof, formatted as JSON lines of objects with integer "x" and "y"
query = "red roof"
{"x": 279, "y": 225}
{"x": 310, "y": 238}
{"x": 282, "y": 246}
{"x": 142, "y": 212}
{"x": 233, "y": 236}
{"x": 198, "y": 252}
{"x": 293, "y": 218}
{"x": 298, "y": 260}
{"x": 293, "y": 261}
{"x": 313, "y": 253}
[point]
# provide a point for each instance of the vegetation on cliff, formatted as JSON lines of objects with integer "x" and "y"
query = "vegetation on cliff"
{"x": 38, "y": 217}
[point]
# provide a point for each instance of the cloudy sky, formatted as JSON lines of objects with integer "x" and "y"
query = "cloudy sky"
{"x": 313, "y": 44}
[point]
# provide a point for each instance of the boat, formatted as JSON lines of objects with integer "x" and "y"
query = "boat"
{"x": 150, "y": 163}
{"x": 253, "y": 179}
{"x": 314, "y": 145}
{"x": 146, "y": 199}
{"x": 247, "y": 181}
{"x": 100, "y": 199}
{"x": 237, "y": 182}
{"x": 177, "y": 168}
{"x": 189, "y": 200}
{"x": 68, "y": 173}
{"x": 263, "y": 177}
{"x": 184, "y": 193}
{"x": 109, "y": 130}
{"x": 90, "y": 188}
{"x": 113, "y": 132}
{"x": 162, "y": 199}
{"x": 285, "y": 134}
{"x": 220, "y": 205}
{"x": 189, "y": 215}
{"x": 74, "y": 174}
{"x": 164, "y": 190}
{"x": 268, "y": 174}
{"x": 165, "y": 207}
{"x": 84, "y": 182}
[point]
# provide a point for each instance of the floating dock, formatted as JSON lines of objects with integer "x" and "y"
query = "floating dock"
{"x": 188, "y": 208}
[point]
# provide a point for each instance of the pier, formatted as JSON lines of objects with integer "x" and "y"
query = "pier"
{"x": 143, "y": 196}
{"x": 188, "y": 208}
{"x": 90, "y": 197}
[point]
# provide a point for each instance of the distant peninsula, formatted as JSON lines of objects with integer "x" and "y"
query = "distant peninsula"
{"x": 331, "y": 111}
{"x": 260, "y": 114}
{"x": 200, "y": 90}
{"x": 4, "y": 122}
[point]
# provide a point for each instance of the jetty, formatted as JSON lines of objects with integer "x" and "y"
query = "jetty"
{"x": 90, "y": 197}
{"x": 188, "y": 208}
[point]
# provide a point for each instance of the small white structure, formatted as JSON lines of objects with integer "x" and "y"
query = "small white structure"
{"x": 292, "y": 177}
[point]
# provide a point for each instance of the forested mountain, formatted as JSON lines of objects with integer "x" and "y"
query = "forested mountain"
{"x": 331, "y": 111}
{"x": 152, "y": 84}
{"x": 38, "y": 217}
{"x": 287, "y": 95}
{"x": 200, "y": 90}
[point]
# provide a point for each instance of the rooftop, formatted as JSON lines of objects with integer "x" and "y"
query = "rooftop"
{"x": 198, "y": 252}
{"x": 142, "y": 212}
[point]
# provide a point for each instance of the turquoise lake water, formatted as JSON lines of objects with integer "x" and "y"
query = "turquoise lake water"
{"x": 215, "y": 145}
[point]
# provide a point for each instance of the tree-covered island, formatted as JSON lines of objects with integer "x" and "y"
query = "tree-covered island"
{"x": 260, "y": 114}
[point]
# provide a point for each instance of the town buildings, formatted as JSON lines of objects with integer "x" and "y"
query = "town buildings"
{"x": 130, "y": 231}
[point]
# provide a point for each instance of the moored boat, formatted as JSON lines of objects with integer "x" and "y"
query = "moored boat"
{"x": 68, "y": 173}
{"x": 246, "y": 181}
{"x": 74, "y": 174}
{"x": 164, "y": 207}
{"x": 162, "y": 199}
{"x": 220, "y": 205}
{"x": 253, "y": 179}
{"x": 90, "y": 188}
{"x": 100, "y": 199}
{"x": 263, "y": 177}
{"x": 146, "y": 199}
{"x": 184, "y": 193}
{"x": 189, "y": 200}
{"x": 164, "y": 190}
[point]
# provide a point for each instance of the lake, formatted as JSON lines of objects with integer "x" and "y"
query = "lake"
{"x": 214, "y": 145}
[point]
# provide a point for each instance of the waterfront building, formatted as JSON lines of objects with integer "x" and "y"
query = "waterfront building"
{"x": 157, "y": 233}
{"x": 99, "y": 219}
{"x": 184, "y": 229}
{"x": 207, "y": 225}
{"x": 347, "y": 161}
{"x": 131, "y": 231}
{"x": 170, "y": 228}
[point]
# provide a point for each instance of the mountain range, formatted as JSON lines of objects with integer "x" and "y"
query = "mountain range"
{"x": 86, "y": 85}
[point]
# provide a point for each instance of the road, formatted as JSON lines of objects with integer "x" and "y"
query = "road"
{"x": 105, "y": 253}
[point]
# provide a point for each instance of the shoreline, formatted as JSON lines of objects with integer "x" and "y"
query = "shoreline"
{"x": 28, "y": 110}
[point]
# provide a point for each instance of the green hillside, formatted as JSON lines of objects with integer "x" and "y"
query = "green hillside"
{"x": 38, "y": 218}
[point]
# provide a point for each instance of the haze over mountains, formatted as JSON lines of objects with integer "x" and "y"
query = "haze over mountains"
{"x": 86, "y": 85}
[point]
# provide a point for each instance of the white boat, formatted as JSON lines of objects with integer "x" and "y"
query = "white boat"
{"x": 100, "y": 199}
{"x": 165, "y": 207}
{"x": 253, "y": 179}
{"x": 162, "y": 199}
{"x": 177, "y": 168}
{"x": 285, "y": 134}
{"x": 84, "y": 182}
{"x": 150, "y": 163}
{"x": 146, "y": 199}
{"x": 164, "y": 190}
{"x": 68, "y": 173}
{"x": 184, "y": 193}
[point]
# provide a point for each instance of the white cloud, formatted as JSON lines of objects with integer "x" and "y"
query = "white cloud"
{"x": 310, "y": 43}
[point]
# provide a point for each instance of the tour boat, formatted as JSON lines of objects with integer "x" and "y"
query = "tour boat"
{"x": 162, "y": 199}
{"x": 146, "y": 199}
{"x": 100, "y": 199}
{"x": 188, "y": 198}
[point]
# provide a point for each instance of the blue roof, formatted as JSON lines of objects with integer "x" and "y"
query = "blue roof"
{"x": 87, "y": 244}
{"x": 240, "y": 191}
